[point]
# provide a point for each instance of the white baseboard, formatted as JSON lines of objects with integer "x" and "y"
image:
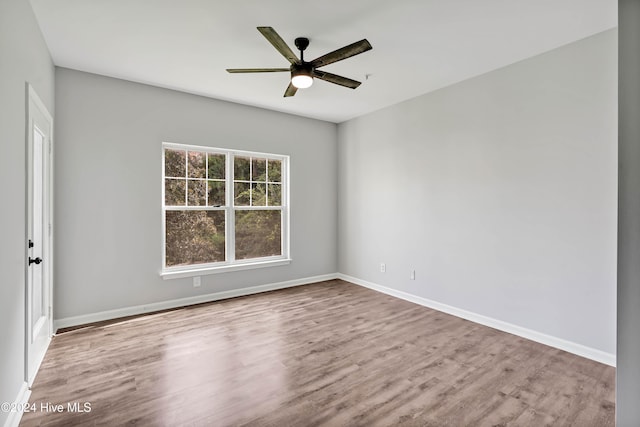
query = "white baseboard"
{"x": 559, "y": 343}
{"x": 182, "y": 302}
{"x": 21, "y": 400}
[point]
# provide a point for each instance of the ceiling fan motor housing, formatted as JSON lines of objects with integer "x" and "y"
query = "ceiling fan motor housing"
{"x": 304, "y": 68}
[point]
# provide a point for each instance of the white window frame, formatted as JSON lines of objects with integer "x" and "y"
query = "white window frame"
{"x": 231, "y": 264}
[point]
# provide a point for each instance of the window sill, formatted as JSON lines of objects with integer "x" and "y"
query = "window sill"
{"x": 203, "y": 271}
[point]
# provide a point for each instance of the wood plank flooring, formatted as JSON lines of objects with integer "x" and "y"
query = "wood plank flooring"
{"x": 327, "y": 354}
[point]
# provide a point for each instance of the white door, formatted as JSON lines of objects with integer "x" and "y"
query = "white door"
{"x": 39, "y": 322}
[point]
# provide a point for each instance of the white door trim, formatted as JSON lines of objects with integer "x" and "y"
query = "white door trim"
{"x": 35, "y": 106}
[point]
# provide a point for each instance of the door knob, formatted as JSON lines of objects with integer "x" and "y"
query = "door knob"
{"x": 36, "y": 261}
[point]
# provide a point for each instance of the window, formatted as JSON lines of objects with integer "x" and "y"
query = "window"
{"x": 223, "y": 210}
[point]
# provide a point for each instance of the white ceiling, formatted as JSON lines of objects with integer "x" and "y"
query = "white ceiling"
{"x": 418, "y": 45}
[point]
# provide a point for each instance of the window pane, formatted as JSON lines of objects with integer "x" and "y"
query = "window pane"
{"x": 174, "y": 165}
{"x": 194, "y": 237}
{"x": 258, "y": 234}
{"x": 275, "y": 195}
{"x": 216, "y": 166}
{"x": 216, "y": 193}
{"x": 174, "y": 190}
{"x": 242, "y": 193}
{"x": 258, "y": 195}
{"x": 241, "y": 169}
{"x": 275, "y": 170}
{"x": 259, "y": 169}
{"x": 196, "y": 167}
{"x": 196, "y": 190}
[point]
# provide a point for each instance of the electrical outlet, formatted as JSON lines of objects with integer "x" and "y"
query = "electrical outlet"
{"x": 413, "y": 275}
{"x": 383, "y": 268}
{"x": 196, "y": 282}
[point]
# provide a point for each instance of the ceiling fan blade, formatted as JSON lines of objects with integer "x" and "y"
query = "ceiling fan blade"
{"x": 334, "y": 78}
{"x": 256, "y": 70}
{"x": 342, "y": 53}
{"x": 277, "y": 42}
{"x": 291, "y": 90}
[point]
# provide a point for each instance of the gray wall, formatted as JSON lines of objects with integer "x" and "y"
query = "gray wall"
{"x": 499, "y": 191}
{"x": 628, "y": 378}
{"x": 23, "y": 58}
{"x": 108, "y": 189}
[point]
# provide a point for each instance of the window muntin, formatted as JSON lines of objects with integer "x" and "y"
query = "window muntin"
{"x": 222, "y": 207}
{"x": 257, "y": 181}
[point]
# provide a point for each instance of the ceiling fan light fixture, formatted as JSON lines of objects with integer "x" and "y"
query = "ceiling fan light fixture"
{"x": 302, "y": 75}
{"x": 302, "y": 81}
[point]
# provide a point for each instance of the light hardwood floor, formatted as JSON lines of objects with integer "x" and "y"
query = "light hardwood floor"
{"x": 331, "y": 353}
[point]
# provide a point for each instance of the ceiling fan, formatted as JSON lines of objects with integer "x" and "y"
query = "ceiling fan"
{"x": 303, "y": 72}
